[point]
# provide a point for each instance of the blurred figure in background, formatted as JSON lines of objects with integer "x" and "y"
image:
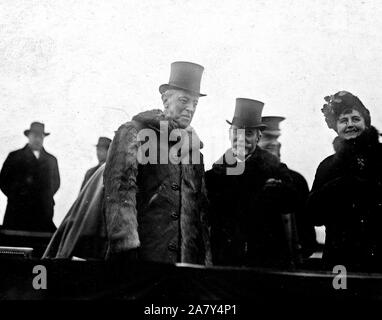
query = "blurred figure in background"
{"x": 306, "y": 235}
{"x": 102, "y": 148}
{"x": 30, "y": 178}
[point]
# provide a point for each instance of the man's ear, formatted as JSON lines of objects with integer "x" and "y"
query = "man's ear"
{"x": 164, "y": 100}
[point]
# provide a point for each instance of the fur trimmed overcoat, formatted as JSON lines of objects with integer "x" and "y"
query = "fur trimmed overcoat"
{"x": 247, "y": 227}
{"x": 30, "y": 184}
{"x": 158, "y": 208}
{"x": 346, "y": 198}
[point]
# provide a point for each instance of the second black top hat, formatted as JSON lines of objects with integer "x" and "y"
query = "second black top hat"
{"x": 248, "y": 114}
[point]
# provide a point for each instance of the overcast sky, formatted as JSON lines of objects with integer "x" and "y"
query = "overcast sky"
{"x": 85, "y": 67}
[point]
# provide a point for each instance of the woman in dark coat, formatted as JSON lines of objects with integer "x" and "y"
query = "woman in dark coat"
{"x": 346, "y": 196}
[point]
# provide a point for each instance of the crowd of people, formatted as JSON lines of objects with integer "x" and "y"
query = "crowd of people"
{"x": 150, "y": 199}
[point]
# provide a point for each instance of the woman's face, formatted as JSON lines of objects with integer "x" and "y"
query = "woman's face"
{"x": 350, "y": 124}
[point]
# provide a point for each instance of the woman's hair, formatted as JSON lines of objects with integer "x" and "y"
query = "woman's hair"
{"x": 341, "y": 102}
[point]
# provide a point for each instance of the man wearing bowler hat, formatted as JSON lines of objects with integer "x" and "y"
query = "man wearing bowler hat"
{"x": 248, "y": 204}
{"x": 30, "y": 178}
{"x": 102, "y": 149}
{"x": 156, "y": 210}
{"x": 306, "y": 235}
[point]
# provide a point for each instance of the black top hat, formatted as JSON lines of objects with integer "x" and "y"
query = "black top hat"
{"x": 248, "y": 114}
{"x": 186, "y": 76}
{"x": 273, "y": 125}
{"x": 103, "y": 142}
{"x": 38, "y": 128}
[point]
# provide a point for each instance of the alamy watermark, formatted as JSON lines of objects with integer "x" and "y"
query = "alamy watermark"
{"x": 186, "y": 149}
{"x": 340, "y": 280}
{"x": 40, "y": 281}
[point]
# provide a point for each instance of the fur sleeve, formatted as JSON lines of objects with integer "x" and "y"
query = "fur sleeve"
{"x": 206, "y": 227}
{"x": 120, "y": 190}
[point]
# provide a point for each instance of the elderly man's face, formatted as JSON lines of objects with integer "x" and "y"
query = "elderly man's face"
{"x": 181, "y": 106}
{"x": 270, "y": 143}
{"x": 243, "y": 141}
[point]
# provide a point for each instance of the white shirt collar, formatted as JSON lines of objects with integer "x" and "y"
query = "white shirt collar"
{"x": 36, "y": 153}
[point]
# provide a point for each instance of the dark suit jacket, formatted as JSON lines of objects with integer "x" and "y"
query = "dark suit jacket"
{"x": 246, "y": 215}
{"x": 30, "y": 184}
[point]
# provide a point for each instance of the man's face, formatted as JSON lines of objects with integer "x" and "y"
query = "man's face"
{"x": 36, "y": 140}
{"x": 243, "y": 141}
{"x": 101, "y": 154}
{"x": 350, "y": 124}
{"x": 270, "y": 143}
{"x": 181, "y": 106}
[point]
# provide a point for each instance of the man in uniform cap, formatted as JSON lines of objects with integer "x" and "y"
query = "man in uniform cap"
{"x": 30, "y": 178}
{"x": 248, "y": 205}
{"x": 102, "y": 148}
{"x": 305, "y": 230}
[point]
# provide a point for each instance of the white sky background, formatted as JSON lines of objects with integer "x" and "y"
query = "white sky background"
{"x": 85, "y": 67}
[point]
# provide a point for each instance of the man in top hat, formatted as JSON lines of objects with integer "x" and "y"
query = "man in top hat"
{"x": 248, "y": 204}
{"x": 155, "y": 207}
{"x": 306, "y": 235}
{"x": 30, "y": 178}
{"x": 102, "y": 149}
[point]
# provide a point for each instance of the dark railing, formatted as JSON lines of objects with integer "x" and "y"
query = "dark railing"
{"x": 161, "y": 282}
{"x": 20, "y": 253}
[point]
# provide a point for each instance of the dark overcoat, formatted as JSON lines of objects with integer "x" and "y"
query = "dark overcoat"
{"x": 247, "y": 228}
{"x": 305, "y": 229}
{"x": 346, "y": 198}
{"x": 30, "y": 184}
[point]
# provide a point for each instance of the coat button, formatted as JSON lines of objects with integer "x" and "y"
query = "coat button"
{"x": 172, "y": 247}
{"x": 175, "y": 186}
{"x": 174, "y": 215}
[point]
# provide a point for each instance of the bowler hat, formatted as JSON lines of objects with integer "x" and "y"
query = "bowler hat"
{"x": 248, "y": 114}
{"x": 185, "y": 76}
{"x": 273, "y": 125}
{"x": 38, "y": 128}
{"x": 103, "y": 142}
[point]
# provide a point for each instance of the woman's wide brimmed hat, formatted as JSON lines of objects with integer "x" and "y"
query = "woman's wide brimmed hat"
{"x": 338, "y": 103}
{"x": 185, "y": 76}
{"x": 248, "y": 114}
{"x": 38, "y": 128}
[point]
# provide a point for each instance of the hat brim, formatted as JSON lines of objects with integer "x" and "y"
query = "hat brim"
{"x": 275, "y": 133}
{"x": 260, "y": 126}
{"x": 164, "y": 87}
{"x": 26, "y": 133}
